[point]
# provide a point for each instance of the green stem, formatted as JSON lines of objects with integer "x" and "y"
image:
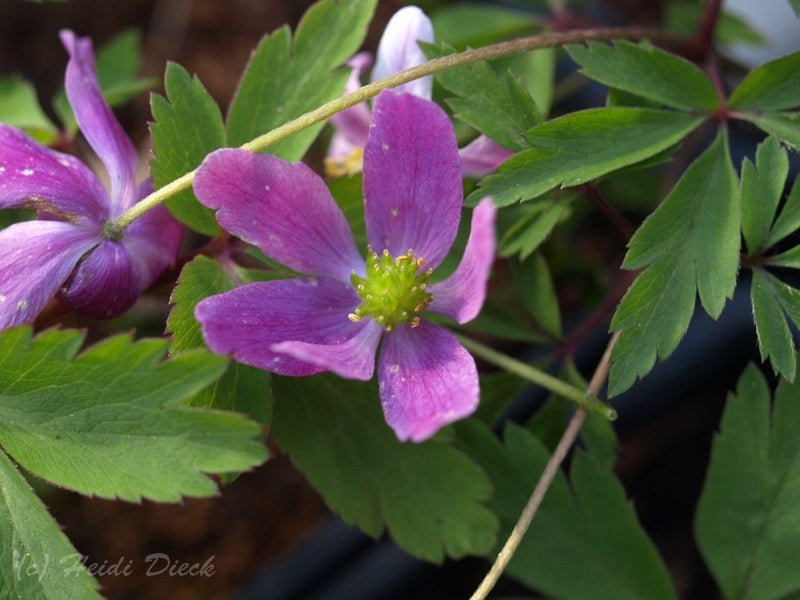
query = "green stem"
{"x": 369, "y": 91}
{"x": 588, "y": 401}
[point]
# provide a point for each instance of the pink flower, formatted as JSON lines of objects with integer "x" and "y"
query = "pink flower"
{"x": 68, "y": 250}
{"x": 336, "y": 319}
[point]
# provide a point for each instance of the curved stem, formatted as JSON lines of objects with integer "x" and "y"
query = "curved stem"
{"x": 369, "y": 91}
{"x": 587, "y": 401}
{"x": 549, "y": 473}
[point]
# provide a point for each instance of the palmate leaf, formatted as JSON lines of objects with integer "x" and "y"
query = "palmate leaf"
{"x": 107, "y": 422}
{"x": 784, "y": 125}
{"x": 771, "y": 300}
{"x": 774, "y": 86}
{"x": 429, "y": 496}
{"x": 287, "y": 77}
{"x": 746, "y": 523}
{"x": 242, "y": 388}
{"x": 188, "y": 125}
{"x": 582, "y": 146}
{"x": 762, "y": 189}
{"x": 585, "y": 542}
{"x": 36, "y": 558}
{"x": 691, "y": 244}
{"x": 647, "y": 72}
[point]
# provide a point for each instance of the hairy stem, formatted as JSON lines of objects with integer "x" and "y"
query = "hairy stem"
{"x": 586, "y": 401}
{"x": 369, "y": 91}
{"x": 550, "y": 471}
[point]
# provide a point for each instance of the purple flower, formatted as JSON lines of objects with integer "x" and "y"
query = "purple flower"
{"x": 335, "y": 320}
{"x": 69, "y": 248}
{"x": 398, "y": 50}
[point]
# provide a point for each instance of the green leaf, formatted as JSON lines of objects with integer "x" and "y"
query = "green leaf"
{"x": 118, "y": 62}
{"x": 498, "y": 390}
{"x": 36, "y": 558}
{"x": 500, "y": 322}
{"x": 746, "y": 524}
{"x": 107, "y": 422}
{"x": 242, "y": 388}
{"x": 784, "y": 125}
{"x": 788, "y": 220}
{"x": 771, "y": 87}
{"x": 188, "y": 125}
{"x": 795, "y": 5}
{"x": 463, "y": 25}
{"x": 533, "y": 279}
{"x": 499, "y": 107}
{"x": 523, "y": 228}
{"x": 762, "y": 188}
{"x": 582, "y": 146}
{"x": 648, "y": 72}
{"x": 429, "y": 496}
{"x": 585, "y": 542}
{"x": 286, "y": 78}
{"x": 691, "y": 244}
{"x": 20, "y": 108}
{"x": 774, "y": 337}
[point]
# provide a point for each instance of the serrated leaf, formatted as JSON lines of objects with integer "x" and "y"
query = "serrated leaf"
{"x": 773, "y": 86}
{"x": 774, "y": 337}
{"x": 691, "y": 244}
{"x": 647, "y": 72}
{"x": 188, "y": 125}
{"x": 36, "y": 558}
{"x": 582, "y": 146}
{"x": 523, "y": 228}
{"x": 20, "y": 108}
{"x": 496, "y": 106}
{"x": 535, "y": 284}
{"x": 242, "y": 388}
{"x": 588, "y": 518}
{"x": 287, "y": 77}
{"x": 788, "y": 220}
{"x": 746, "y": 524}
{"x": 334, "y": 431}
{"x": 762, "y": 188}
{"x": 784, "y": 125}
{"x": 107, "y": 422}
{"x": 118, "y": 63}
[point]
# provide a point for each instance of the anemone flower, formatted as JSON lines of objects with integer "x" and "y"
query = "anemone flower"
{"x": 335, "y": 319}
{"x": 398, "y": 50}
{"x": 69, "y": 249}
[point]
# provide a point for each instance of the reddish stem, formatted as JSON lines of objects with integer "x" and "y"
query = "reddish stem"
{"x": 708, "y": 23}
{"x": 625, "y": 227}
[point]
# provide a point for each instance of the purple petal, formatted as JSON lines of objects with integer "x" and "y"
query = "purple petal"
{"x": 351, "y": 359}
{"x": 352, "y": 124}
{"x": 104, "y": 284}
{"x": 412, "y": 181}
{"x": 36, "y": 257}
{"x": 461, "y": 295}
{"x": 482, "y": 156}
{"x": 399, "y": 49}
{"x": 37, "y": 177}
{"x": 427, "y": 380}
{"x": 98, "y": 124}
{"x": 284, "y": 209}
{"x": 248, "y": 321}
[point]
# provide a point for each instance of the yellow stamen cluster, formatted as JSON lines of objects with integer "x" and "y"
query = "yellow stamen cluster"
{"x": 394, "y": 291}
{"x": 345, "y": 165}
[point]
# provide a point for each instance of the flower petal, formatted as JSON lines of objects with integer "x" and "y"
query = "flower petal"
{"x": 461, "y": 295}
{"x": 104, "y": 284}
{"x": 482, "y": 156}
{"x": 98, "y": 124}
{"x": 34, "y": 176}
{"x": 399, "y": 49}
{"x": 36, "y": 257}
{"x": 427, "y": 380}
{"x": 351, "y": 359}
{"x": 352, "y": 124}
{"x": 153, "y": 241}
{"x": 284, "y": 209}
{"x": 412, "y": 181}
{"x": 248, "y": 321}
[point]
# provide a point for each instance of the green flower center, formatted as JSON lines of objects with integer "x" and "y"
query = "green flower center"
{"x": 394, "y": 291}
